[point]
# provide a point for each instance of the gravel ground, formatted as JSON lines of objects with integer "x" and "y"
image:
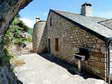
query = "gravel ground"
{"x": 38, "y": 70}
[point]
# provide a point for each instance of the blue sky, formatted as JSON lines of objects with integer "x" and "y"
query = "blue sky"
{"x": 40, "y": 8}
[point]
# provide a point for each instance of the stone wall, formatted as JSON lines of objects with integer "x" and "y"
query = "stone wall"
{"x": 71, "y": 38}
{"x": 7, "y": 76}
{"x": 39, "y": 37}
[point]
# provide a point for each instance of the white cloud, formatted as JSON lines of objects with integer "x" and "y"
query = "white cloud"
{"x": 28, "y": 22}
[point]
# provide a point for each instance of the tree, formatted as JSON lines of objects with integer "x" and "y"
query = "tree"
{"x": 8, "y": 10}
{"x": 15, "y": 31}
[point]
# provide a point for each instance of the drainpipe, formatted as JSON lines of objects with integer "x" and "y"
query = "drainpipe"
{"x": 108, "y": 59}
{"x": 106, "y": 62}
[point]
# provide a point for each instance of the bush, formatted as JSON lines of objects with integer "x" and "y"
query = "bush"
{"x": 5, "y": 58}
{"x": 15, "y": 31}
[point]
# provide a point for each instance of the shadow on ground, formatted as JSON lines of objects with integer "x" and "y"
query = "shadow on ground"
{"x": 70, "y": 67}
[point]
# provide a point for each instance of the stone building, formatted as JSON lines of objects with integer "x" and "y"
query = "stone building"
{"x": 39, "y": 40}
{"x": 81, "y": 39}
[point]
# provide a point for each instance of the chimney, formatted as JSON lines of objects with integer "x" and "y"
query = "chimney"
{"x": 37, "y": 19}
{"x": 86, "y": 9}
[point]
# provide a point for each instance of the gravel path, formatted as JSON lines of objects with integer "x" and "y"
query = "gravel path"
{"x": 38, "y": 70}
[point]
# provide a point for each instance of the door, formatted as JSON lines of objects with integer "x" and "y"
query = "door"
{"x": 49, "y": 46}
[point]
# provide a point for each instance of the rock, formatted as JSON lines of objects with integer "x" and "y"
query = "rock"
{"x": 94, "y": 81}
{"x": 8, "y": 9}
{"x": 6, "y": 76}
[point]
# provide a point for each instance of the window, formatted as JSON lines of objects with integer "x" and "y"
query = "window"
{"x": 49, "y": 47}
{"x": 56, "y": 44}
{"x": 83, "y": 54}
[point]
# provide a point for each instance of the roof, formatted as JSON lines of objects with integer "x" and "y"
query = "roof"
{"x": 95, "y": 24}
{"x": 107, "y": 23}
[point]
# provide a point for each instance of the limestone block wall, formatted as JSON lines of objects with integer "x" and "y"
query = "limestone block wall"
{"x": 39, "y": 41}
{"x": 54, "y": 31}
{"x": 7, "y": 76}
{"x": 71, "y": 38}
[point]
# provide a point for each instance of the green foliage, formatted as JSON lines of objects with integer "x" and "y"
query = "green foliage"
{"x": 29, "y": 39}
{"x": 14, "y": 34}
{"x": 30, "y": 31}
{"x": 5, "y": 58}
